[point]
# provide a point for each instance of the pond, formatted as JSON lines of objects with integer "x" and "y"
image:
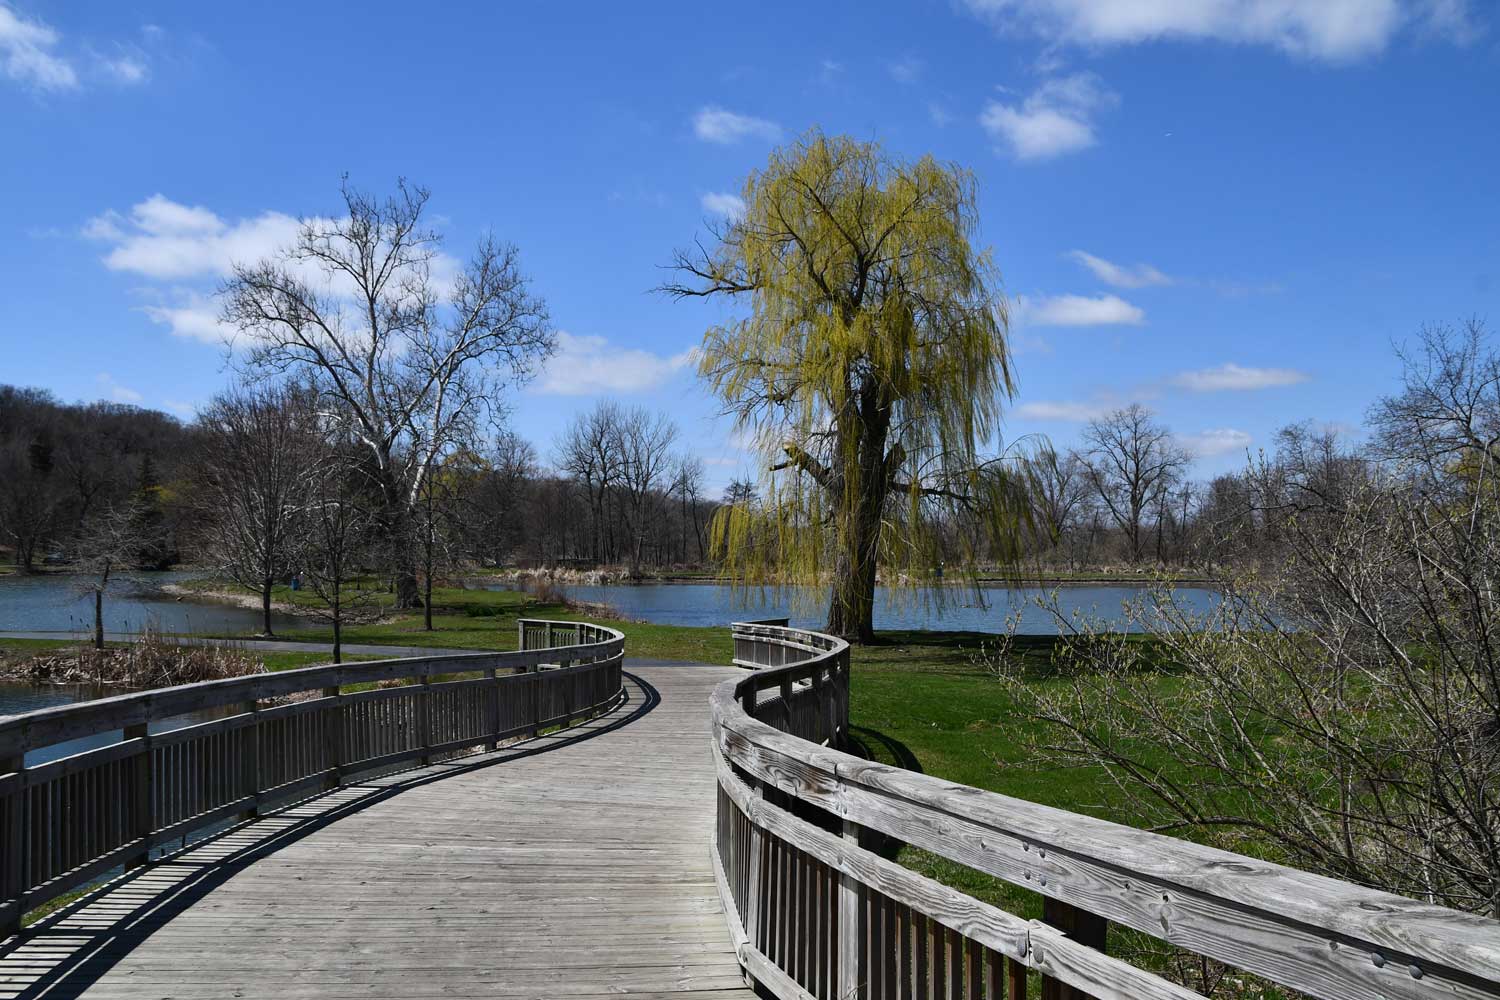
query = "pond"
{"x": 56, "y": 602}
{"x": 16, "y": 698}
{"x": 952, "y": 609}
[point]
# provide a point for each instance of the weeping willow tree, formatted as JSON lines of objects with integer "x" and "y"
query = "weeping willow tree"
{"x": 871, "y": 370}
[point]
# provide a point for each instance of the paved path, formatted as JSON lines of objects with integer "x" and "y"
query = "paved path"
{"x": 575, "y": 865}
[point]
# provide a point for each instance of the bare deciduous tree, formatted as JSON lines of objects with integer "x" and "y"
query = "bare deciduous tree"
{"x": 256, "y": 464}
{"x": 334, "y": 538}
{"x": 415, "y": 357}
{"x": 645, "y": 446}
{"x": 1341, "y": 713}
{"x": 1132, "y": 462}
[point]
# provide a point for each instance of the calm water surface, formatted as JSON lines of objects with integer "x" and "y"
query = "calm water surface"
{"x": 55, "y": 602}
{"x": 950, "y": 610}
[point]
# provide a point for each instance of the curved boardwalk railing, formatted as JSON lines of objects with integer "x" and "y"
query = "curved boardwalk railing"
{"x": 279, "y": 737}
{"x": 815, "y": 913}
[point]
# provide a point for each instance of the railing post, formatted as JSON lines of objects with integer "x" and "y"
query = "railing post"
{"x": 1083, "y": 927}
{"x": 757, "y": 848}
{"x": 521, "y": 634}
{"x": 17, "y": 856}
{"x": 333, "y": 737}
{"x": 493, "y": 709}
{"x": 536, "y": 698}
{"x": 143, "y": 820}
{"x": 250, "y": 762}
{"x": 850, "y": 975}
{"x": 424, "y": 719}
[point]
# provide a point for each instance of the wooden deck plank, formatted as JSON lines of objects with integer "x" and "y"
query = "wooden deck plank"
{"x": 578, "y": 865}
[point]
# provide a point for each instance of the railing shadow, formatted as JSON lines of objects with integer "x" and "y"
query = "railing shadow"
{"x": 68, "y": 951}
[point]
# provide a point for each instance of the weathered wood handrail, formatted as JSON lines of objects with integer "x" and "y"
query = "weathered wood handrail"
{"x": 283, "y": 736}
{"x": 815, "y": 913}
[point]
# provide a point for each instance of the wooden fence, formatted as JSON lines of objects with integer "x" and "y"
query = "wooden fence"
{"x": 816, "y": 913}
{"x": 278, "y": 737}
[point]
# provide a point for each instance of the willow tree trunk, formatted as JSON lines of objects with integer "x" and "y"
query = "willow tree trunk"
{"x": 851, "y": 609}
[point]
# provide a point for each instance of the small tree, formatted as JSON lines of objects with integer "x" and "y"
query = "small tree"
{"x": 871, "y": 367}
{"x": 112, "y": 540}
{"x": 334, "y": 532}
{"x": 253, "y": 478}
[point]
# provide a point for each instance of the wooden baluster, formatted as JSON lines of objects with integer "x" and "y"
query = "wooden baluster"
{"x": 850, "y": 976}
{"x": 493, "y": 703}
{"x": 250, "y": 759}
{"x": 17, "y": 858}
{"x": 142, "y": 819}
{"x": 333, "y": 736}
{"x": 1082, "y": 926}
{"x": 424, "y": 718}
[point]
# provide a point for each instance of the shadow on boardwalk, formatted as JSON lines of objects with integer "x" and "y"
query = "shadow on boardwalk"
{"x": 70, "y": 951}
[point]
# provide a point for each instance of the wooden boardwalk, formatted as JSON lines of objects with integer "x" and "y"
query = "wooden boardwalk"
{"x": 575, "y": 865}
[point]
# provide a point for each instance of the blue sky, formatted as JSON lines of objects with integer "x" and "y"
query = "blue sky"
{"x": 1225, "y": 209}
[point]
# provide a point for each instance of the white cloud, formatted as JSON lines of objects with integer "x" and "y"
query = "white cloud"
{"x": 938, "y": 114}
{"x": 191, "y": 316}
{"x": 1056, "y": 118}
{"x": 1062, "y": 410}
{"x": 1121, "y": 275}
{"x": 1329, "y": 30}
{"x": 28, "y": 53}
{"x": 1076, "y": 310}
{"x": 117, "y": 392}
{"x": 165, "y": 239}
{"x": 1216, "y": 442}
{"x": 731, "y": 206}
{"x": 1233, "y": 377}
{"x": 585, "y": 366}
{"x": 127, "y": 68}
{"x": 715, "y": 124}
{"x": 907, "y": 69}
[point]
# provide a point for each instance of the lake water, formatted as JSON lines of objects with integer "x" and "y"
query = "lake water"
{"x": 18, "y": 698}
{"x": 55, "y": 602}
{"x": 952, "y": 609}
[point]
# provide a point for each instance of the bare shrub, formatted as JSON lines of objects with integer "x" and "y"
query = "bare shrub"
{"x": 153, "y": 662}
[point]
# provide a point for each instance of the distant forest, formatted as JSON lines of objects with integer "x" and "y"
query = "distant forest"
{"x": 614, "y": 489}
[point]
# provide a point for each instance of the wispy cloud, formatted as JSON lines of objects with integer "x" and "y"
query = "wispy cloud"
{"x": 188, "y": 313}
{"x": 586, "y": 366}
{"x": 1232, "y": 377}
{"x": 117, "y": 392}
{"x": 730, "y": 206}
{"x": 1063, "y": 411}
{"x": 907, "y": 69}
{"x": 1076, "y": 310}
{"x": 1216, "y": 442}
{"x": 1324, "y": 30}
{"x": 715, "y": 124}
{"x": 1121, "y": 275}
{"x": 29, "y": 53}
{"x": 1054, "y": 119}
